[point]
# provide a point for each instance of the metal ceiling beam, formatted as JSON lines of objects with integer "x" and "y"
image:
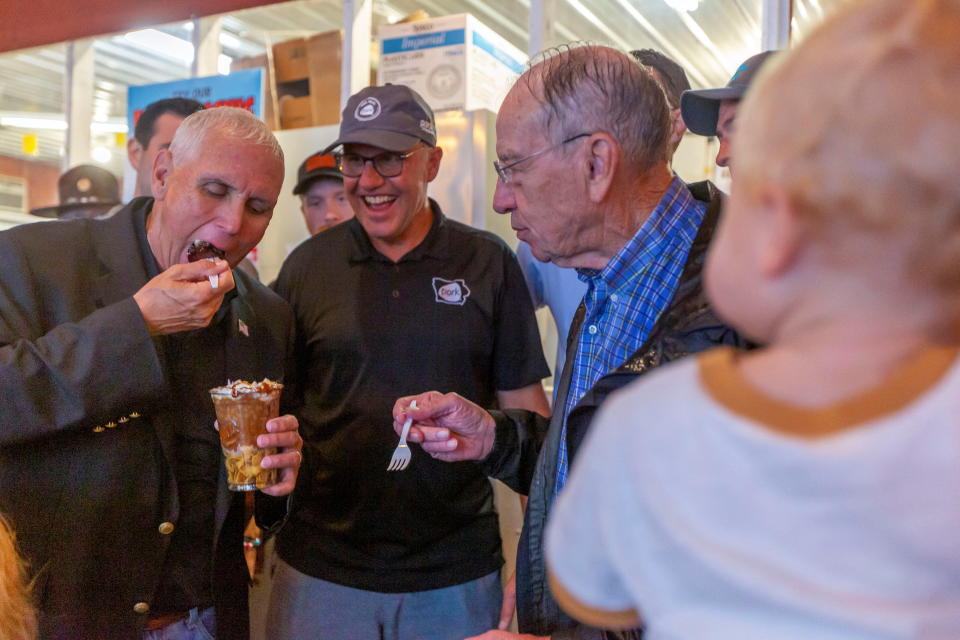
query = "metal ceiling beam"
{"x": 775, "y": 18}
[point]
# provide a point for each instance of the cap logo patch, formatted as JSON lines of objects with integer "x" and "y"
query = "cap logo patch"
{"x": 84, "y": 185}
{"x": 451, "y": 291}
{"x": 427, "y": 126}
{"x": 368, "y": 109}
{"x": 321, "y": 162}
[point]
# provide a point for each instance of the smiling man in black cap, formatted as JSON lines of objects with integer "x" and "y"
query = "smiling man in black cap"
{"x": 408, "y": 299}
{"x": 712, "y": 112}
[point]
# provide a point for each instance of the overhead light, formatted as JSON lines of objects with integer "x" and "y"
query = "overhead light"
{"x": 34, "y": 122}
{"x": 162, "y": 43}
{"x": 57, "y": 122}
{"x": 223, "y": 64}
{"x": 101, "y": 155}
{"x": 684, "y": 5}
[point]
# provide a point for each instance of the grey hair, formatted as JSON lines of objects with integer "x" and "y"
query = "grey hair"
{"x": 231, "y": 122}
{"x": 587, "y": 88}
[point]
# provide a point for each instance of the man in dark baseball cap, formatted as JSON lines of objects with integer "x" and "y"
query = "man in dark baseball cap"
{"x": 711, "y": 112}
{"x": 320, "y": 187}
{"x": 400, "y": 298}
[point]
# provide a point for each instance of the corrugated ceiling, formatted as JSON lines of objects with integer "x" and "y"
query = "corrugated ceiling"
{"x": 709, "y": 41}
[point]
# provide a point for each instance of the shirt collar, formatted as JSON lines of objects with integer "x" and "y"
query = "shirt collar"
{"x": 647, "y": 243}
{"x": 434, "y": 244}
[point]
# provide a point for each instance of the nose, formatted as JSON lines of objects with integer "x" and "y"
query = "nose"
{"x": 723, "y": 154}
{"x": 332, "y": 216}
{"x": 504, "y": 200}
{"x": 369, "y": 178}
{"x": 230, "y": 216}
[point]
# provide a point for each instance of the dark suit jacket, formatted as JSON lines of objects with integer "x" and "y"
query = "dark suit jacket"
{"x": 86, "y": 430}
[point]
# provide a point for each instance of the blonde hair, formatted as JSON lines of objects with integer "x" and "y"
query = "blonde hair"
{"x": 18, "y": 618}
{"x": 861, "y": 126}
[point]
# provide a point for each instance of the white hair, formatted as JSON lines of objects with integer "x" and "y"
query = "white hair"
{"x": 231, "y": 122}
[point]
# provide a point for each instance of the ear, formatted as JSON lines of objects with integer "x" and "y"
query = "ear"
{"x": 433, "y": 162}
{"x": 784, "y": 231}
{"x": 601, "y": 164}
{"x": 162, "y": 172}
{"x": 677, "y": 128}
{"x": 134, "y": 151}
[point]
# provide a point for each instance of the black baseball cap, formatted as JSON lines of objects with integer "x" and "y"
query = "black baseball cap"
{"x": 87, "y": 187}
{"x": 700, "y": 108}
{"x": 319, "y": 165}
{"x": 393, "y": 117}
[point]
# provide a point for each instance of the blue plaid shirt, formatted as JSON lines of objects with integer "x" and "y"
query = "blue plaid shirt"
{"x": 625, "y": 298}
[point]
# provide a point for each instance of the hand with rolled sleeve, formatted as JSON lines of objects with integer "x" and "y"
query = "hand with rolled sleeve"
{"x": 446, "y": 425}
{"x": 181, "y": 298}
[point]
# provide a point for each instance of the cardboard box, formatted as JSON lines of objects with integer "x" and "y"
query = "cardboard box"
{"x": 454, "y": 62}
{"x": 307, "y": 71}
{"x": 270, "y": 110}
{"x": 295, "y": 112}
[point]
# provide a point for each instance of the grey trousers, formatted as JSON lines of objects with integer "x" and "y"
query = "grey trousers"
{"x": 306, "y": 608}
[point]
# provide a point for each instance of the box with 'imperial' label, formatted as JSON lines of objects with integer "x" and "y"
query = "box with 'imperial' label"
{"x": 454, "y": 62}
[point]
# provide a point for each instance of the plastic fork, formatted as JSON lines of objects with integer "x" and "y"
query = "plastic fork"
{"x": 401, "y": 455}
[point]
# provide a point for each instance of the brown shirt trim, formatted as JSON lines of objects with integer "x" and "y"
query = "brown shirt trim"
{"x": 723, "y": 381}
{"x": 600, "y": 618}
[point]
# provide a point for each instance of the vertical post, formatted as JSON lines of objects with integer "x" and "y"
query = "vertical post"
{"x": 775, "y": 23}
{"x": 78, "y": 90}
{"x": 539, "y": 26}
{"x": 357, "y": 36}
{"x": 206, "y": 47}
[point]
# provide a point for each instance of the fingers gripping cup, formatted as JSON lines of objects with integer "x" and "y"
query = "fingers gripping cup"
{"x": 243, "y": 409}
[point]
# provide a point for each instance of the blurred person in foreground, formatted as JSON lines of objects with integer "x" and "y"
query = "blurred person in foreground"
{"x": 111, "y": 471}
{"x": 18, "y": 619}
{"x": 408, "y": 299}
{"x": 809, "y": 489}
{"x": 323, "y": 201}
{"x": 584, "y": 173}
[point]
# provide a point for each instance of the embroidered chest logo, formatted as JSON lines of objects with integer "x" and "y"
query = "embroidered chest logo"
{"x": 451, "y": 291}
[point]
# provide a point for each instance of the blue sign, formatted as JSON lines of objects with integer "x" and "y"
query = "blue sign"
{"x": 242, "y": 89}
{"x": 424, "y": 41}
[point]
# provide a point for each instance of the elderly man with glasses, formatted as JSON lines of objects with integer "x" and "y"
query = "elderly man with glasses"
{"x": 583, "y": 141}
{"x": 397, "y": 299}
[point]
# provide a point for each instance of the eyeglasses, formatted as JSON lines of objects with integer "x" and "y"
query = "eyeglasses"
{"x": 388, "y": 164}
{"x": 506, "y": 171}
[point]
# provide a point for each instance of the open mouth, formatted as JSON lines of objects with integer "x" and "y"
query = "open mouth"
{"x": 203, "y": 250}
{"x": 378, "y": 202}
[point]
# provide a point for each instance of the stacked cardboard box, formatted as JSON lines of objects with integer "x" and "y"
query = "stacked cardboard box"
{"x": 269, "y": 96}
{"x": 306, "y": 80}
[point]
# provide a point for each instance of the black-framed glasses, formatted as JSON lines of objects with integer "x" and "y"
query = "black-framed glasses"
{"x": 388, "y": 164}
{"x": 505, "y": 171}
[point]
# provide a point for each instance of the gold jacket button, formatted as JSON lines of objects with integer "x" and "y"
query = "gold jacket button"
{"x": 141, "y": 607}
{"x": 123, "y": 419}
{"x": 166, "y": 528}
{"x": 111, "y": 424}
{"x": 134, "y": 415}
{"x": 98, "y": 429}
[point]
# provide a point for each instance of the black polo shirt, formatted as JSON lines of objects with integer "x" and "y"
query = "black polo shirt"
{"x": 452, "y": 315}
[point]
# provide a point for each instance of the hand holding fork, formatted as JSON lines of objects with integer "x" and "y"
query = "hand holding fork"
{"x": 401, "y": 455}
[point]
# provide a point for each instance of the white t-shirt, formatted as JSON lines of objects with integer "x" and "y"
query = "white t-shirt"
{"x": 696, "y": 502}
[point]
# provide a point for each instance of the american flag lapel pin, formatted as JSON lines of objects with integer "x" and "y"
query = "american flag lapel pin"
{"x": 243, "y": 328}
